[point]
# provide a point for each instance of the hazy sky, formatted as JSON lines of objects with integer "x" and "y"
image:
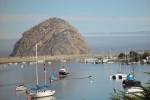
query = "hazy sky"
{"x": 88, "y": 16}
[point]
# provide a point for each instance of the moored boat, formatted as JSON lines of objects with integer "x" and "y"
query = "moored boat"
{"x": 118, "y": 76}
{"x": 42, "y": 91}
{"x": 21, "y": 87}
{"x": 131, "y": 82}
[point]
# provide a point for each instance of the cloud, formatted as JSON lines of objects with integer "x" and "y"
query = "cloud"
{"x": 118, "y": 34}
{"x": 146, "y": 25}
{"x": 108, "y": 19}
{"x": 20, "y": 17}
{"x": 79, "y": 18}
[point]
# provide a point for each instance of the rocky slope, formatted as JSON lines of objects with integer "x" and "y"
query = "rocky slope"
{"x": 54, "y": 36}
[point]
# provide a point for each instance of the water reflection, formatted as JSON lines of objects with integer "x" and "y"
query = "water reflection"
{"x": 20, "y": 92}
{"x": 44, "y": 98}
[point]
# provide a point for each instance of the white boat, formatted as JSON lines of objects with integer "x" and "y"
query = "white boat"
{"x": 118, "y": 76}
{"x": 40, "y": 61}
{"x": 31, "y": 63}
{"x": 10, "y": 63}
{"x": 39, "y": 92}
{"x": 134, "y": 90}
{"x": 23, "y": 62}
{"x": 21, "y": 87}
{"x": 49, "y": 62}
{"x": 16, "y": 63}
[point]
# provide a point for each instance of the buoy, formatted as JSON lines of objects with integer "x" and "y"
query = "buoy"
{"x": 90, "y": 77}
{"x": 28, "y": 98}
{"x": 21, "y": 66}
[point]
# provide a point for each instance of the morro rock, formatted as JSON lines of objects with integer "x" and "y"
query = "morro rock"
{"x": 54, "y": 36}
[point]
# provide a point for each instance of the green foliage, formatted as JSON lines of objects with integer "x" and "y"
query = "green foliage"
{"x": 134, "y": 56}
{"x": 121, "y": 55}
{"x": 146, "y": 54}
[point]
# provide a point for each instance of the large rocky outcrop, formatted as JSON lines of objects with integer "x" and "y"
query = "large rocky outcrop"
{"x": 54, "y": 36}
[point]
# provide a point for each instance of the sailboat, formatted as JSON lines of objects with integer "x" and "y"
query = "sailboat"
{"x": 40, "y": 91}
{"x": 21, "y": 87}
{"x": 118, "y": 75}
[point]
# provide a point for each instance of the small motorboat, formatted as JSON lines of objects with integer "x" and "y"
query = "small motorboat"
{"x": 63, "y": 71}
{"x": 52, "y": 78}
{"x": 21, "y": 87}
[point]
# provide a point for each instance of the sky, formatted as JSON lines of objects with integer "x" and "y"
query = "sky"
{"x": 87, "y": 16}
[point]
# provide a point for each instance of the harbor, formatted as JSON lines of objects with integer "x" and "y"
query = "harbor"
{"x": 76, "y": 86}
{"x": 51, "y": 71}
{"x": 21, "y": 59}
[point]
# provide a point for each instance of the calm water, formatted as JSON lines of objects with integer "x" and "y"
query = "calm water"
{"x": 74, "y": 87}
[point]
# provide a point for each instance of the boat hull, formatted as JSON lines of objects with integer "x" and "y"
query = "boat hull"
{"x": 118, "y": 76}
{"x": 131, "y": 83}
{"x": 134, "y": 90}
{"x": 40, "y": 94}
{"x": 63, "y": 73}
{"x": 21, "y": 88}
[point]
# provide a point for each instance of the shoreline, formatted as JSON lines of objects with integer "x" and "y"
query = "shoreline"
{"x": 19, "y": 59}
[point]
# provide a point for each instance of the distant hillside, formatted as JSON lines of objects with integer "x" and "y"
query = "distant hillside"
{"x": 54, "y": 36}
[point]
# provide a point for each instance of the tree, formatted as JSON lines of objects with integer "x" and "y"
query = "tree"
{"x": 121, "y": 55}
{"x": 146, "y": 54}
{"x": 134, "y": 55}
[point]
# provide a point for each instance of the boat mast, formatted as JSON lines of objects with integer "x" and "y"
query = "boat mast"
{"x": 45, "y": 70}
{"x": 36, "y": 68}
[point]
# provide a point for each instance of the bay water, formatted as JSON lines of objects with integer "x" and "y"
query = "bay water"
{"x": 76, "y": 86}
